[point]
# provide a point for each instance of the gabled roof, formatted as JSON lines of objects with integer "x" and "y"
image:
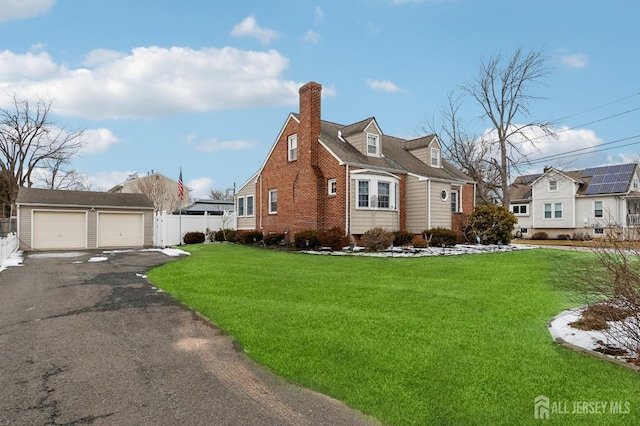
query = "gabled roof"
{"x": 604, "y": 180}
{"x": 396, "y": 156}
{"x": 53, "y": 197}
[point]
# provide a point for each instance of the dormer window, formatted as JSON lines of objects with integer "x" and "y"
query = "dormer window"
{"x": 435, "y": 157}
{"x": 373, "y": 144}
{"x": 636, "y": 184}
{"x": 293, "y": 147}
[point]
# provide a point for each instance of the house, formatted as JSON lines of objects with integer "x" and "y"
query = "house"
{"x": 319, "y": 175}
{"x": 69, "y": 220}
{"x": 594, "y": 202}
{"x": 210, "y": 207}
{"x": 160, "y": 189}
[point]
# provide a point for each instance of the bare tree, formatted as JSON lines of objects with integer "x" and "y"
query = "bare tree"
{"x": 57, "y": 175}
{"x": 162, "y": 193}
{"x": 501, "y": 88}
{"x": 28, "y": 140}
{"x": 470, "y": 153}
{"x": 221, "y": 194}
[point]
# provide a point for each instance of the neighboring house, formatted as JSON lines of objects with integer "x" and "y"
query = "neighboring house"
{"x": 319, "y": 175}
{"x": 211, "y": 207}
{"x": 68, "y": 220}
{"x": 161, "y": 190}
{"x": 597, "y": 202}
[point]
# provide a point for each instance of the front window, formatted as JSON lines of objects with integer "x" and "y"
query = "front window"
{"x": 547, "y": 211}
{"x": 333, "y": 187}
{"x": 372, "y": 144}
{"x": 240, "y": 206}
{"x": 598, "y": 211}
{"x": 557, "y": 211}
{"x": 435, "y": 157}
{"x": 454, "y": 201}
{"x": 519, "y": 209}
{"x": 363, "y": 193}
{"x": 273, "y": 201}
{"x": 293, "y": 147}
{"x": 553, "y": 185}
{"x": 249, "y": 211}
{"x": 383, "y": 195}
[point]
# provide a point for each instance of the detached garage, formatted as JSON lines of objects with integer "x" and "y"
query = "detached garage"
{"x": 71, "y": 220}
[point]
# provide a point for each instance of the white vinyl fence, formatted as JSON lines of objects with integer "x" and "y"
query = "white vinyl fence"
{"x": 169, "y": 229}
{"x": 8, "y": 245}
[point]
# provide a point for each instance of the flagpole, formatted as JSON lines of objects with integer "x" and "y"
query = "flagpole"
{"x": 181, "y": 197}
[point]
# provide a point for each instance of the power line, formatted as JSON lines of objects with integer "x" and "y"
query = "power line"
{"x": 601, "y": 106}
{"x": 590, "y": 149}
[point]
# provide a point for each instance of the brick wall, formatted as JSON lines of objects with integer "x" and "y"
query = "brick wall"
{"x": 459, "y": 220}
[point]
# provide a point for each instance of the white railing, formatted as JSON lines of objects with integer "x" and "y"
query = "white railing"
{"x": 633, "y": 219}
{"x": 8, "y": 245}
{"x": 170, "y": 228}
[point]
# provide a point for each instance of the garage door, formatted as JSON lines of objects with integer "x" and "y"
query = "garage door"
{"x": 59, "y": 230}
{"x": 120, "y": 229}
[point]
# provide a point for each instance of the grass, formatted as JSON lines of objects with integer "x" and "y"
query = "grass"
{"x": 440, "y": 340}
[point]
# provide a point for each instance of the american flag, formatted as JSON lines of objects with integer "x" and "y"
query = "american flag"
{"x": 180, "y": 187}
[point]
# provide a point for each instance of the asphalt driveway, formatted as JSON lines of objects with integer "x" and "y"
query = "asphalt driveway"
{"x": 84, "y": 342}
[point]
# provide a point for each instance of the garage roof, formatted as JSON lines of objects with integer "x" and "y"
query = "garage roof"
{"x": 53, "y": 197}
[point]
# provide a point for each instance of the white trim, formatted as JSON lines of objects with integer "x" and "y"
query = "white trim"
{"x": 240, "y": 204}
{"x": 377, "y": 145}
{"x": 329, "y": 186}
{"x": 253, "y": 205}
{"x": 272, "y": 191}
{"x": 291, "y": 139}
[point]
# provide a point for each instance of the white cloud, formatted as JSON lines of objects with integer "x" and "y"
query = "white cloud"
{"x": 575, "y": 60}
{"x": 214, "y": 145}
{"x": 311, "y": 37}
{"x": 200, "y": 187}
{"x": 98, "y": 140}
{"x": 20, "y": 9}
{"x": 249, "y": 28}
{"x": 28, "y": 66}
{"x": 545, "y": 150}
{"x": 151, "y": 81}
{"x": 318, "y": 14}
{"x": 384, "y": 86}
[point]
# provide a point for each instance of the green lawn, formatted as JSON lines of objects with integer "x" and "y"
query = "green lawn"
{"x": 439, "y": 340}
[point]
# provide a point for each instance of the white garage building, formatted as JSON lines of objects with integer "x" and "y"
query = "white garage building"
{"x": 71, "y": 220}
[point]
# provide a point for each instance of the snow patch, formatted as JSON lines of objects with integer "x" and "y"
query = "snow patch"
{"x": 14, "y": 260}
{"x": 98, "y": 259}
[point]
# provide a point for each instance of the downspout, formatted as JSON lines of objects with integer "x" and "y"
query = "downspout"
{"x": 261, "y": 200}
{"x": 429, "y": 204}
{"x": 347, "y": 230}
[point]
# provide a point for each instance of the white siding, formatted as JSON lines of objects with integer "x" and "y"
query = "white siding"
{"x": 565, "y": 195}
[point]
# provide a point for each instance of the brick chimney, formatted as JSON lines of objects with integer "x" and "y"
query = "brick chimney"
{"x": 309, "y": 122}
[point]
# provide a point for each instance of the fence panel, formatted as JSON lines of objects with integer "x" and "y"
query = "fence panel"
{"x": 170, "y": 229}
{"x": 8, "y": 245}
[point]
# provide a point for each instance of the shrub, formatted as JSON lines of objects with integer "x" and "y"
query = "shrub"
{"x": 402, "y": 238}
{"x": 377, "y": 239}
{"x": 437, "y": 237}
{"x": 306, "y": 240}
{"x": 250, "y": 237}
{"x": 563, "y": 237}
{"x": 581, "y": 236}
{"x": 334, "y": 238}
{"x": 419, "y": 242}
{"x": 491, "y": 224}
{"x": 273, "y": 238}
{"x": 193, "y": 238}
{"x": 539, "y": 236}
{"x": 224, "y": 235}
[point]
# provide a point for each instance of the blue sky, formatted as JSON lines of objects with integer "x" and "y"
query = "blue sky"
{"x": 207, "y": 86}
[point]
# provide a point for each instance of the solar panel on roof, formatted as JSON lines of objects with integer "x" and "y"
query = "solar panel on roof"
{"x": 597, "y": 179}
{"x": 593, "y": 189}
{"x": 609, "y": 178}
{"x": 628, "y": 168}
{"x": 620, "y": 187}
